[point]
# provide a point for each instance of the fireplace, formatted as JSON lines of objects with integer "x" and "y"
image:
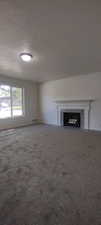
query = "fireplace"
{"x": 73, "y": 113}
{"x": 72, "y": 119}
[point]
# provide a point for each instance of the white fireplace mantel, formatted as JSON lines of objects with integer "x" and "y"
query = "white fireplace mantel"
{"x": 64, "y": 104}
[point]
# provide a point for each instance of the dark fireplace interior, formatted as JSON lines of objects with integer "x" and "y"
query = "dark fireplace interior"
{"x": 72, "y": 119}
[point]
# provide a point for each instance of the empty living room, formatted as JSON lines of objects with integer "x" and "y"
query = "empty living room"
{"x": 50, "y": 112}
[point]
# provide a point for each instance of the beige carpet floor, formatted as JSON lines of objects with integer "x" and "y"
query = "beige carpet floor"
{"x": 50, "y": 176}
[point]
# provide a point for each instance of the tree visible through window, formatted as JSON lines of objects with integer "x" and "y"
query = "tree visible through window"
{"x": 11, "y": 101}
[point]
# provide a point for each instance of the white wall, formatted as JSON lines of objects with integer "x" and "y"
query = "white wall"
{"x": 30, "y": 97}
{"x": 76, "y": 87}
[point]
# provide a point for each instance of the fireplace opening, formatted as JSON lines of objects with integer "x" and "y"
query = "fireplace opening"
{"x": 72, "y": 119}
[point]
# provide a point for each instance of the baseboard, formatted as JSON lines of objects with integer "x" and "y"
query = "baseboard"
{"x": 19, "y": 126}
{"x": 86, "y": 130}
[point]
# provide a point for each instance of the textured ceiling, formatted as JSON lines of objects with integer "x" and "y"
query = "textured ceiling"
{"x": 64, "y": 37}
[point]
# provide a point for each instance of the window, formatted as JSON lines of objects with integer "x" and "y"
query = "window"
{"x": 17, "y": 109}
{"x": 11, "y": 101}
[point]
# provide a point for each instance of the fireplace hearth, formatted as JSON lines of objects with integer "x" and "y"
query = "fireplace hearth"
{"x": 72, "y": 119}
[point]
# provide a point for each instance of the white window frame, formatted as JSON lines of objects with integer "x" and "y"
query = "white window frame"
{"x": 11, "y": 100}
